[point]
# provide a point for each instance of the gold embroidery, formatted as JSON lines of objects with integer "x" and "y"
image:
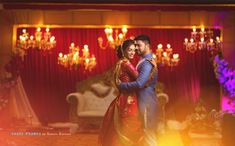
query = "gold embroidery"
{"x": 130, "y": 100}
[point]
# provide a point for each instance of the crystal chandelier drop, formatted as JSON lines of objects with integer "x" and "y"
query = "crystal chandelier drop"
{"x": 74, "y": 59}
{"x": 202, "y": 39}
{"x": 113, "y": 39}
{"x": 166, "y": 57}
{"x": 42, "y": 41}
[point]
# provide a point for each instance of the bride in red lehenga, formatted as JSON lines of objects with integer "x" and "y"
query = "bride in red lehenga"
{"x": 122, "y": 125}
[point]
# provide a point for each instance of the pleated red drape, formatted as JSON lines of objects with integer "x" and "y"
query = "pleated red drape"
{"x": 47, "y": 83}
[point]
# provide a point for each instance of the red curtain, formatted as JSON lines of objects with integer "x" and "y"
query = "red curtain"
{"x": 47, "y": 83}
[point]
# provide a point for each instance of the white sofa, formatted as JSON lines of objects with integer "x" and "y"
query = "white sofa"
{"x": 88, "y": 108}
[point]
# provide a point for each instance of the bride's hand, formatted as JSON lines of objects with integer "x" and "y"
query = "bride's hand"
{"x": 117, "y": 82}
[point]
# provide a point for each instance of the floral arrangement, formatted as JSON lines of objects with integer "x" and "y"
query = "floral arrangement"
{"x": 14, "y": 66}
{"x": 5, "y": 85}
{"x": 225, "y": 76}
{"x": 203, "y": 121}
{"x": 8, "y": 79}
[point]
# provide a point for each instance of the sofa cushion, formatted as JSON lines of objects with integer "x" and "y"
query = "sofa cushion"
{"x": 90, "y": 113}
{"x": 100, "y": 89}
{"x": 109, "y": 99}
{"x": 92, "y": 102}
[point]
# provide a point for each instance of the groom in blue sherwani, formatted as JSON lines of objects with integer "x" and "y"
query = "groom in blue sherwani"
{"x": 144, "y": 86}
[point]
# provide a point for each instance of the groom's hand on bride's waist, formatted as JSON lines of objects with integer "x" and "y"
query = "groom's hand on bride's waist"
{"x": 152, "y": 61}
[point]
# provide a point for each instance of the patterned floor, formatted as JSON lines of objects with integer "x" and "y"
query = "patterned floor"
{"x": 61, "y": 137}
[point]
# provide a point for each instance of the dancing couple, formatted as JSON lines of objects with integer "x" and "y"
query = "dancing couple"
{"x": 132, "y": 117}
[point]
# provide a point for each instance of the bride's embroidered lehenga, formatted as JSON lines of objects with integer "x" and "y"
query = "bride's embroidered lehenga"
{"x": 122, "y": 125}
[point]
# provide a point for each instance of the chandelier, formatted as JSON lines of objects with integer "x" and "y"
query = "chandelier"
{"x": 113, "y": 39}
{"x": 202, "y": 40}
{"x": 166, "y": 57}
{"x": 74, "y": 59}
{"x": 42, "y": 41}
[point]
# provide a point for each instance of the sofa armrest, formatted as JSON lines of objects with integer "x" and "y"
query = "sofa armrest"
{"x": 76, "y": 98}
